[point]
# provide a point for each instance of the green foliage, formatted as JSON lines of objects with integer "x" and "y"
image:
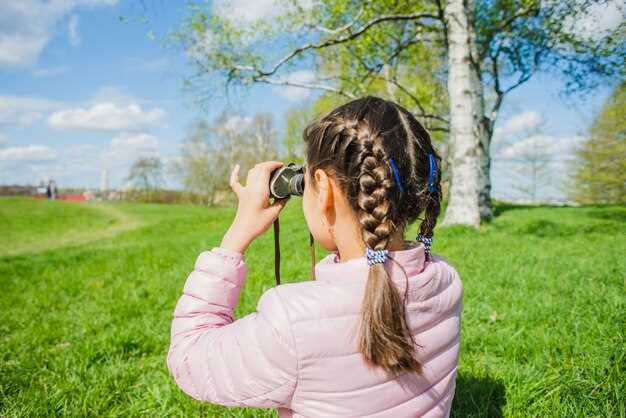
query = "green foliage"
{"x": 399, "y": 50}
{"x": 403, "y": 57}
{"x": 298, "y": 117}
{"x": 235, "y": 54}
{"x": 84, "y": 323}
{"x": 600, "y": 175}
{"x": 519, "y": 38}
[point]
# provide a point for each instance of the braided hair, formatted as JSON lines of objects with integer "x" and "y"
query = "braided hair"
{"x": 355, "y": 143}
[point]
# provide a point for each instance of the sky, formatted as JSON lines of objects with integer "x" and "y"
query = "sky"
{"x": 91, "y": 85}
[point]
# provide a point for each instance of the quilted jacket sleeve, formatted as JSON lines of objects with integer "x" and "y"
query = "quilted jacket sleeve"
{"x": 250, "y": 361}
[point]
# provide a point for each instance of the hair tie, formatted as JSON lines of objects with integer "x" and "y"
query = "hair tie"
{"x": 432, "y": 171}
{"x": 428, "y": 241}
{"x": 396, "y": 175}
{"x": 376, "y": 256}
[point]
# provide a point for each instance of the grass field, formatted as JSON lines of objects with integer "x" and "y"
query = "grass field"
{"x": 88, "y": 291}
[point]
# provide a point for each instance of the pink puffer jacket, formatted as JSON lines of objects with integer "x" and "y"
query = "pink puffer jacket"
{"x": 298, "y": 352}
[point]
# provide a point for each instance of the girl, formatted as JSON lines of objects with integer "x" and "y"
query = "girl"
{"x": 346, "y": 344}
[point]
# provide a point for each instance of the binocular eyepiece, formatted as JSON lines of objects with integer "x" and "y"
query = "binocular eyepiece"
{"x": 287, "y": 180}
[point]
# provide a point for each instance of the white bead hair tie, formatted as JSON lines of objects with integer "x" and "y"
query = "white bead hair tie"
{"x": 376, "y": 256}
{"x": 427, "y": 242}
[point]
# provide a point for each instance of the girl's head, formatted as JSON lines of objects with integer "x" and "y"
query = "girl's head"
{"x": 348, "y": 153}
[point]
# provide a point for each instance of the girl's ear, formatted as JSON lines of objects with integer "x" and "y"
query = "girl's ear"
{"x": 325, "y": 196}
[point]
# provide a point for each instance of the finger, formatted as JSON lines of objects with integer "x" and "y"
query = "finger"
{"x": 234, "y": 180}
{"x": 259, "y": 175}
{"x": 265, "y": 169}
{"x": 277, "y": 206}
{"x": 269, "y": 165}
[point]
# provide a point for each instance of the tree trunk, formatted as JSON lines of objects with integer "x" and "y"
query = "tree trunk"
{"x": 464, "y": 90}
{"x": 484, "y": 177}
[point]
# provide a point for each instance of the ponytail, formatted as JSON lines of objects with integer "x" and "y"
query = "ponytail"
{"x": 356, "y": 141}
{"x": 385, "y": 338}
{"x": 384, "y": 329}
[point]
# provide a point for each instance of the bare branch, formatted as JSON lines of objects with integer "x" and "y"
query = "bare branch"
{"x": 422, "y": 112}
{"x": 523, "y": 78}
{"x": 532, "y": 9}
{"x": 339, "y": 29}
{"x": 335, "y": 41}
{"x": 500, "y": 93}
{"x": 306, "y": 86}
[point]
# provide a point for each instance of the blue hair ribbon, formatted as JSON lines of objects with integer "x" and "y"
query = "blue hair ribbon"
{"x": 396, "y": 175}
{"x": 432, "y": 171}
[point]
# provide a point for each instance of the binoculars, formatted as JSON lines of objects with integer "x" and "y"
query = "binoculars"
{"x": 287, "y": 180}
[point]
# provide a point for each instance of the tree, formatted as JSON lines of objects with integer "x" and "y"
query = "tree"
{"x": 410, "y": 52}
{"x": 530, "y": 167}
{"x": 195, "y": 162}
{"x": 466, "y": 112}
{"x": 243, "y": 140}
{"x": 600, "y": 171}
{"x": 210, "y": 151}
{"x": 146, "y": 173}
{"x": 297, "y": 118}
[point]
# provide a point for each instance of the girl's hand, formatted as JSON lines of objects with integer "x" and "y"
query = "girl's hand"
{"x": 255, "y": 214}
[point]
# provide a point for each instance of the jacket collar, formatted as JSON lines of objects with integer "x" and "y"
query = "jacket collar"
{"x": 411, "y": 259}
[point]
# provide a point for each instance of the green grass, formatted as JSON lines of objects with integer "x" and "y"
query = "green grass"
{"x": 88, "y": 291}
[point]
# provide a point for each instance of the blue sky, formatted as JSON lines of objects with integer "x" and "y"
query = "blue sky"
{"x": 82, "y": 90}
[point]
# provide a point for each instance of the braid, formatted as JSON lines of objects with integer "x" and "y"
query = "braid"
{"x": 355, "y": 143}
{"x": 429, "y": 201}
{"x": 385, "y": 338}
{"x": 374, "y": 185}
{"x": 432, "y": 207}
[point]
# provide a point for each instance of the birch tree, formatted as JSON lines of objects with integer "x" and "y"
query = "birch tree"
{"x": 465, "y": 92}
{"x": 411, "y": 52}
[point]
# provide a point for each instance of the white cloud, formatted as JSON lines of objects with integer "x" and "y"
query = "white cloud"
{"x": 109, "y": 109}
{"x": 26, "y": 27}
{"x": 50, "y": 71}
{"x": 551, "y": 146}
{"x": 27, "y": 153}
{"x": 24, "y": 110}
{"x": 599, "y": 19}
{"x": 296, "y": 93}
{"x": 550, "y": 157}
{"x": 245, "y": 15}
{"x": 247, "y": 11}
{"x": 237, "y": 123}
{"x": 136, "y": 141}
{"x": 72, "y": 31}
{"x": 106, "y": 116}
{"x": 519, "y": 123}
{"x": 76, "y": 165}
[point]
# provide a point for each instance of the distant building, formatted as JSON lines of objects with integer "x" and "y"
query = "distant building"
{"x": 104, "y": 181}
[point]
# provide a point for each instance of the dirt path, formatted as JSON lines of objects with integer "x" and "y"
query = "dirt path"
{"x": 123, "y": 222}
